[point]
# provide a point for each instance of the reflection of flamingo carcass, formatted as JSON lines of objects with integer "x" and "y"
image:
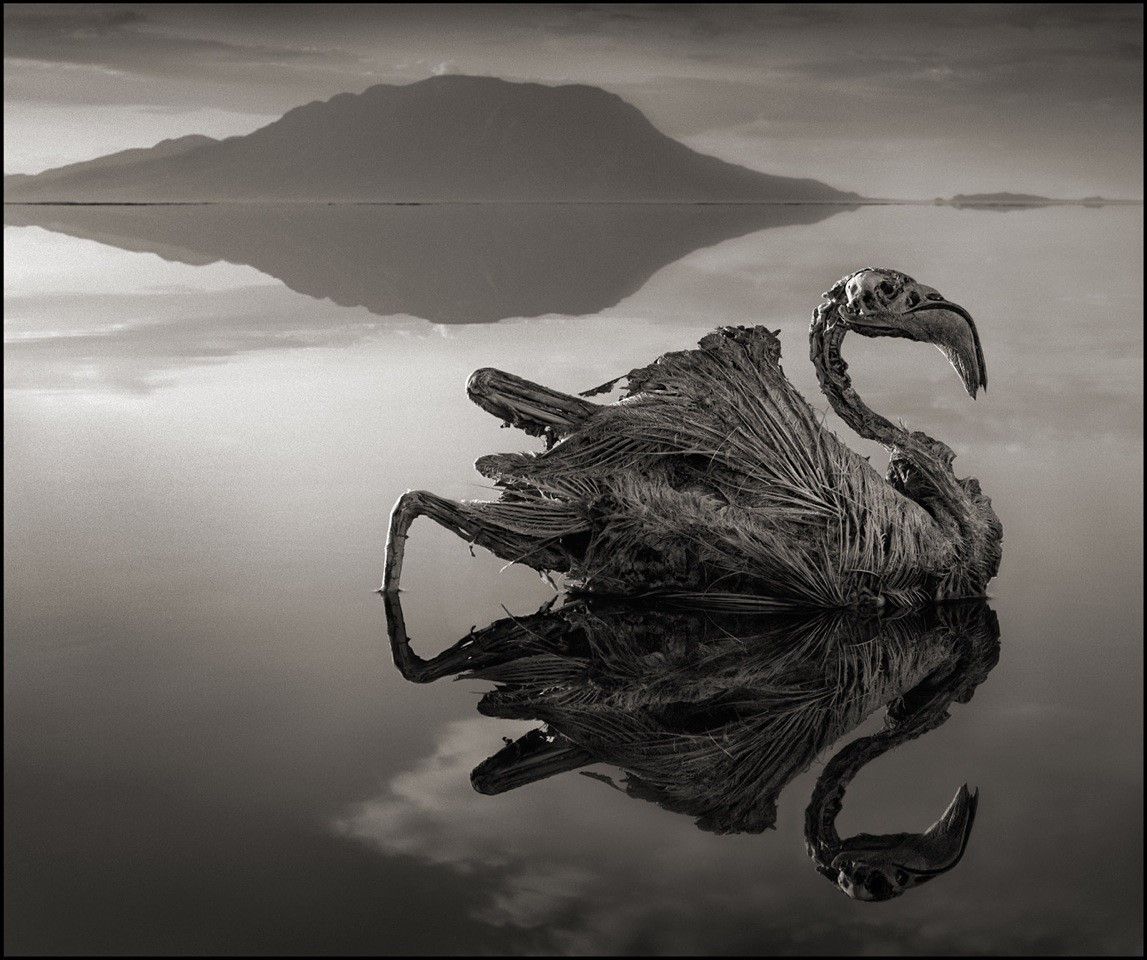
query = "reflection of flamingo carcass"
{"x": 714, "y": 476}
{"x": 711, "y": 713}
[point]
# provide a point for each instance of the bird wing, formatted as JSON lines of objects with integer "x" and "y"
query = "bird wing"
{"x": 715, "y": 463}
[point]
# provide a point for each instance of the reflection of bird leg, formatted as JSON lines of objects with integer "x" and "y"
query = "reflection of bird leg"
{"x": 538, "y": 410}
{"x": 501, "y": 642}
{"x": 512, "y": 531}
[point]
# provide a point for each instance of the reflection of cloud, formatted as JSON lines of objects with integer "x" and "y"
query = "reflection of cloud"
{"x": 1064, "y": 358}
{"x": 533, "y": 896}
{"x": 408, "y": 818}
{"x": 158, "y": 335}
{"x": 432, "y": 813}
{"x": 574, "y": 868}
{"x": 537, "y": 854}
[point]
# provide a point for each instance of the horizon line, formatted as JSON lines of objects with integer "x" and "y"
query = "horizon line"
{"x": 860, "y": 202}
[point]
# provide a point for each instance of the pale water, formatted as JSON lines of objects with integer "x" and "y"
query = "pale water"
{"x": 207, "y": 747}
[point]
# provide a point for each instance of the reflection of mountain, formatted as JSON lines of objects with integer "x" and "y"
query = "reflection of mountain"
{"x": 444, "y": 263}
{"x": 449, "y": 138}
{"x": 711, "y": 713}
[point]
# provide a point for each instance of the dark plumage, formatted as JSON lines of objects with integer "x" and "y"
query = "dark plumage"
{"x": 713, "y": 476}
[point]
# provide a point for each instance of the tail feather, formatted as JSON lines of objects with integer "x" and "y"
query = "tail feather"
{"x": 538, "y": 410}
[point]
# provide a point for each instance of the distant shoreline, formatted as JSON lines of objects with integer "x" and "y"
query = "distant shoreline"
{"x": 573, "y": 203}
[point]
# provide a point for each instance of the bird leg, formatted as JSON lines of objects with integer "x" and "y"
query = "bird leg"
{"x": 477, "y": 522}
{"x": 535, "y": 409}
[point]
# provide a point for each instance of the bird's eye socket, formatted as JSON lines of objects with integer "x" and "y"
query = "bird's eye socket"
{"x": 877, "y": 885}
{"x": 886, "y": 288}
{"x": 912, "y": 299}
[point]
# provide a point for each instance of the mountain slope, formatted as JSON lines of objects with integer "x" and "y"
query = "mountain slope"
{"x": 450, "y": 138}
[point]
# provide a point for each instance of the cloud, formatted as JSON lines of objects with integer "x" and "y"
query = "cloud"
{"x": 129, "y": 40}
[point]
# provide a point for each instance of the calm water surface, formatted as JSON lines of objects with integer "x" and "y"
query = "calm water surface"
{"x": 208, "y": 415}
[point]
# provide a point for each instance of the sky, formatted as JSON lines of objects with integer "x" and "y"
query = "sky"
{"x": 910, "y": 101}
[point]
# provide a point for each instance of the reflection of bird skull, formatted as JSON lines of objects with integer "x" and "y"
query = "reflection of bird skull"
{"x": 880, "y": 868}
{"x": 863, "y": 882}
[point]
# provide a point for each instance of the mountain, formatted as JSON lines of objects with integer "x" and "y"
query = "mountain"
{"x": 114, "y": 163}
{"x": 448, "y": 138}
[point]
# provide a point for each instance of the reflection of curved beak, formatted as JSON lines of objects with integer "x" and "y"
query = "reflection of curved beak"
{"x": 905, "y": 860}
{"x": 947, "y": 838}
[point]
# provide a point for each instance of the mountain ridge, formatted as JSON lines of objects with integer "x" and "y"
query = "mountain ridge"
{"x": 453, "y": 138}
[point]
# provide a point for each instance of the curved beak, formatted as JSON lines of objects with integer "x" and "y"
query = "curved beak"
{"x": 951, "y": 328}
{"x": 942, "y": 305}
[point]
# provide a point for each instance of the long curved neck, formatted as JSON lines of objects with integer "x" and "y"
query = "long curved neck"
{"x": 825, "y": 337}
{"x": 827, "y": 798}
{"x": 974, "y": 630}
{"x": 931, "y": 481}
